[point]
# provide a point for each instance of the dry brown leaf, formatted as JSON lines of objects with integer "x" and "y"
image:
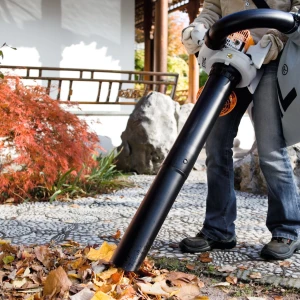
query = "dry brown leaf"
{"x": 255, "y": 275}
{"x": 278, "y": 298}
{"x": 204, "y": 257}
{"x": 43, "y": 254}
{"x": 188, "y": 292}
{"x": 190, "y": 267}
{"x": 169, "y": 289}
{"x": 128, "y": 293}
{"x": 227, "y": 269}
{"x": 117, "y": 235}
{"x": 56, "y": 283}
{"x": 231, "y": 279}
{"x": 105, "y": 252}
{"x": 201, "y": 298}
{"x": 172, "y": 276}
{"x": 152, "y": 289}
{"x": 243, "y": 268}
{"x": 285, "y": 263}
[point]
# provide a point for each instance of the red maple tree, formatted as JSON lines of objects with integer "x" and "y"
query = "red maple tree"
{"x": 38, "y": 140}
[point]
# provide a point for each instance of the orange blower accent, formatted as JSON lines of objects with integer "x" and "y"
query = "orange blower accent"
{"x": 229, "y": 104}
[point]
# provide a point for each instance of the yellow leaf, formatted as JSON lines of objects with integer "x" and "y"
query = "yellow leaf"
{"x": 2, "y": 242}
{"x": 107, "y": 274}
{"x": 101, "y": 296}
{"x": 74, "y": 276}
{"x": 105, "y": 252}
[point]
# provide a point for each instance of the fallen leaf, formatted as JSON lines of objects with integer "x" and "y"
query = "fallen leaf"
{"x": 201, "y": 298}
{"x": 231, "y": 279}
{"x": 56, "y": 283}
{"x": 243, "y": 268}
{"x": 26, "y": 272}
{"x": 221, "y": 284}
{"x": 128, "y": 293}
{"x": 76, "y": 264}
{"x": 255, "y": 275}
{"x": 107, "y": 274}
{"x": 117, "y": 235}
{"x": 190, "y": 267}
{"x": 204, "y": 257}
{"x": 43, "y": 255}
{"x": 8, "y": 259}
{"x": 172, "y": 276}
{"x": 101, "y": 296}
{"x": 188, "y": 292}
{"x": 285, "y": 263}
{"x": 106, "y": 288}
{"x": 226, "y": 269}
{"x": 18, "y": 283}
{"x": 2, "y": 242}
{"x": 105, "y": 252}
{"x": 152, "y": 289}
{"x": 10, "y": 200}
{"x": 278, "y": 298}
{"x": 116, "y": 277}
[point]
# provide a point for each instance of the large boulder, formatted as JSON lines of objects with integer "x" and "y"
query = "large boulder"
{"x": 248, "y": 176}
{"x": 149, "y": 135}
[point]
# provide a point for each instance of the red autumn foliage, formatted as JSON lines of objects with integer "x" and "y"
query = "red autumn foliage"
{"x": 46, "y": 139}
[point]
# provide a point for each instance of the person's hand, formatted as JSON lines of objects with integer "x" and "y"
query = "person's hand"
{"x": 276, "y": 46}
{"x": 192, "y": 37}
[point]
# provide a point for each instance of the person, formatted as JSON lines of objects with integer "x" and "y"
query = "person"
{"x": 283, "y": 216}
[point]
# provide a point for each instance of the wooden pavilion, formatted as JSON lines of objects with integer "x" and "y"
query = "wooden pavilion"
{"x": 151, "y": 16}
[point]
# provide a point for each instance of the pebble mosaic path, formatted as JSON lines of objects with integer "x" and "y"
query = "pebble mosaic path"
{"x": 94, "y": 220}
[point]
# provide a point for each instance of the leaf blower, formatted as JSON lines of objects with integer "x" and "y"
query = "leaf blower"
{"x": 228, "y": 68}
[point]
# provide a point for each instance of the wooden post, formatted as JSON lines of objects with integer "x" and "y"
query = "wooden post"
{"x": 161, "y": 38}
{"x": 149, "y": 55}
{"x": 193, "y": 10}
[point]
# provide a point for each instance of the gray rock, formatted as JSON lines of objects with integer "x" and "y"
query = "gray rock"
{"x": 149, "y": 135}
{"x": 249, "y": 178}
{"x": 184, "y": 112}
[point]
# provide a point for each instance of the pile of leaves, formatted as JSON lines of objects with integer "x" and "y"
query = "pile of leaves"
{"x": 39, "y": 140}
{"x": 70, "y": 271}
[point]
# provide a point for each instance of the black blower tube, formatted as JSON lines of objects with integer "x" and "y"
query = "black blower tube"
{"x": 254, "y": 18}
{"x": 159, "y": 199}
{"x": 152, "y": 212}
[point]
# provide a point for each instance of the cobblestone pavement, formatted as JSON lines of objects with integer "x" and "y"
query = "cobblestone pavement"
{"x": 94, "y": 220}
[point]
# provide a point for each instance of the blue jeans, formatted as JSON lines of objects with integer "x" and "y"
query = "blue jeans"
{"x": 283, "y": 218}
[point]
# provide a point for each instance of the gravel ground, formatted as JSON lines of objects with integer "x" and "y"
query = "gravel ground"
{"x": 94, "y": 220}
